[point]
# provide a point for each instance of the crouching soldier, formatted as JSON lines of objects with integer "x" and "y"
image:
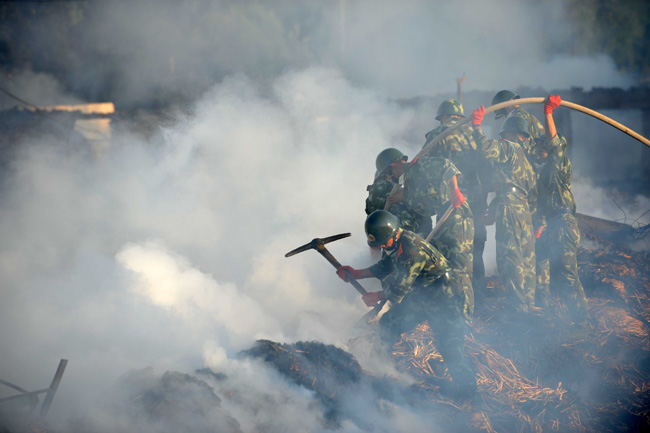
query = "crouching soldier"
{"x": 414, "y": 277}
{"x": 557, "y": 225}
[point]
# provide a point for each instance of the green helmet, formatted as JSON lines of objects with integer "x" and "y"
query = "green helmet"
{"x": 503, "y": 96}
{"x": 380, "y": 226}
{"x": 386, "y": 157}
{"x": 515, "y": 124}
{"x": 450, "y": 107}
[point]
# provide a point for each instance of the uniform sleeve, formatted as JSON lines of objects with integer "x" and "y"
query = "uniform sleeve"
{"x": 377, "y": 193}
{"x": 382, "y": 268}
{"x": 556, "y": 146}
{"x": 449, "y": 171}
{"x": 494, "y": 150}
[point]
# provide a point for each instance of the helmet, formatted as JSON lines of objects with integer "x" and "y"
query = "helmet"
{"x": 386, "y": 157}
{"x": 515, "y": 124}
{"x": 503, "y": 96}
{"x": 380, "y": 226}
{"x": 450, "y": 107}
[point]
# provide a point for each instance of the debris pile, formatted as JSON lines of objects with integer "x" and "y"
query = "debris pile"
{"x": 541, "y": 372}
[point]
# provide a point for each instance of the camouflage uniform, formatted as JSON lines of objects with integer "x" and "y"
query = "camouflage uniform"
{"x": 559, "y": 241}
{"x": 414, "y": 277}
{"x": 513, "y": 206}
{"x": 460, "y": 148}
{"x": 426, "y": 193}
{"x": 536, "y": 130}
{"x": 377, "y": 193}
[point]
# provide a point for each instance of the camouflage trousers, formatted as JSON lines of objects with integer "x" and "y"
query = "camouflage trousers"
{"x": 542, "y": 274}
{"x": 478, "y": 206}
{"x": 516, "y": 252}
{"x": 558, "y": 245}
{"x": 443, "y": 312}
{"x": 455, "y": 240}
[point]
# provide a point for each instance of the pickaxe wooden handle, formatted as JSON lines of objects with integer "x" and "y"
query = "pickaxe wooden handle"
{"x": 318, "y": 244}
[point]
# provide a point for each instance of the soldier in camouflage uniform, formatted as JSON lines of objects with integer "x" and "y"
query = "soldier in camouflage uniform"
{"x": 535, "y": 131}
{"x": 535, "y": 127}
{"x": 390, "y": 166}
{"x": 414, "y": 278}
{"x": 515, "y": 184}
{"x": 556, "y": 220}
{"x": 460, "y": 148}
{"x": 430, "y": 187}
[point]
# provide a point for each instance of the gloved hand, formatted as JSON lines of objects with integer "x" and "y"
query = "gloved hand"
{"x": 477, "y": 115}
{"x": 538, "y": 232}
{"x": 372, "y": 298}
{"x": 457, "y": 198}
{"x": 356, "y": 273}
{"x": 551, "y": 103}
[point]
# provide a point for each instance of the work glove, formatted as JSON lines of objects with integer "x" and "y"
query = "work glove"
{"x": 341, "y": 272}
{"x": 372, "y": 298}
{"x": 551, "y": 103}
{"x": 457, "y": 198}
{"x": 538, "y": 232}
{"x": 477, "y": 115}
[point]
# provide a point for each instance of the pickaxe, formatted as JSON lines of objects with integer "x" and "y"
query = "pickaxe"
{"x": 319, "y": 245}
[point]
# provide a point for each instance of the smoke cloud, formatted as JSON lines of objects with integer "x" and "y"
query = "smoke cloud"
{"x": 169, "y": 251}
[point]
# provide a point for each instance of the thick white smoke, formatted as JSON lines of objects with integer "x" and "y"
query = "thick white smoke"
{"x": 170, "y": 253}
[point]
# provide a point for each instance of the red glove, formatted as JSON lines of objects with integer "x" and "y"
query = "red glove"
{"x": 538, "y": 232}
{"x": 341, "y": 272}
{"x": 457, "y": 198}
{"x": 551, "y": 103}
{"x": 477, "y": 116}
{"x": 372, "y": 298}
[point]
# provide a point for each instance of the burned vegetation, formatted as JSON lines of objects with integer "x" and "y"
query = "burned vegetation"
{"x": 538, "y": 372}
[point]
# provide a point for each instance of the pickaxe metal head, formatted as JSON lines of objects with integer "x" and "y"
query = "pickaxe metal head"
{"x": 317, "y": 244}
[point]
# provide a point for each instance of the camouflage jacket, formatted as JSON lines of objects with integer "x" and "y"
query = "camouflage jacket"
{"x": 535, "y": 129}
{"x": 411, "y": 263}
{"x": 461, "y": 149}
{"x": 512, "y": 170}
{"x": 554, "y": 183}
{"x": 425, "y": 185}
{"x": 377, "y": 193}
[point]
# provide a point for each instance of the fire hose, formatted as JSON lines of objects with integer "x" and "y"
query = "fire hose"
{"x": 524, "y": 101}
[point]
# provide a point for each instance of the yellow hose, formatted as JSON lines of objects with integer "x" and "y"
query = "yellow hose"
{"x": 524, "y": 101}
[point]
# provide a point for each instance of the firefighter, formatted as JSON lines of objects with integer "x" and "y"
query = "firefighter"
{"x": 430, "y": 187}
{"x": 415, "y": 279}
{"x": 556, "y": 222}
{"x": 461, "y": 149}
{"x": 512, "y": 208}
{"x": 535, "y": 131}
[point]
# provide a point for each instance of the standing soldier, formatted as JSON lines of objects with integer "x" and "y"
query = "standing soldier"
{"x": 430, "y": 187}
{"x": 535, "y": 127}
{"x": 461, "y": 149}
{"x": 535, "y": 131}
{"x": 515, "y": 194}
{"x": 556, "y": 220}
{"x": 414, "y": 278}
